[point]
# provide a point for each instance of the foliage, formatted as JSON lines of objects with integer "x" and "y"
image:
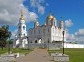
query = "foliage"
{"x": 10, "y": 41}
{"x": 4, "y": 35}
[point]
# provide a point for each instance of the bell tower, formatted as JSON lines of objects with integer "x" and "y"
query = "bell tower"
{"x": 22, "y": 26}
{"x": 21, "y": 40}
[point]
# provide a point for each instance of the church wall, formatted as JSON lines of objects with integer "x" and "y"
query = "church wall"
{"x": 56, "y": 34}
{"x": 42, "y": 32}
{"x": 48, "y": 32}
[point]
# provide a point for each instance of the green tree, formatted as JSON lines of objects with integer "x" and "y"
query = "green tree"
{"x": 4, "y": 35}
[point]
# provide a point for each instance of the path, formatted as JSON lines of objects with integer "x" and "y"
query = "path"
{"x": 38, "y": 55}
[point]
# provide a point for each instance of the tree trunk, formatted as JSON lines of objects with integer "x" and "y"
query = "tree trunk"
{"x": 2, "y": 48}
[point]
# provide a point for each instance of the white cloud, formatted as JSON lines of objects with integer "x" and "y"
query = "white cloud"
{"x": 77, "y": 36}
{"x": 10, "y": 11}
{"x": 68, "y": 23}
{"x": 80, "y": 36}
{"x": 32, "y": 16}
{"x": 47, "y": 4}
{"x": 80, "y": 32}
{"x": 39, "y": 5}
{"x": 70, "y": 36}
{"x": 41, "y": 9}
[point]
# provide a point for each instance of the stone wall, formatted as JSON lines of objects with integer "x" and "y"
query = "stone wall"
{"x": 68, "y": 45}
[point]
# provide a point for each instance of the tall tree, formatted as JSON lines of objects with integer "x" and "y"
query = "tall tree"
{"x": 4, "y": 35}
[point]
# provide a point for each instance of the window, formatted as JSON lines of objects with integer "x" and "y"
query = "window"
{"x": 39, "y": 31}
{"x": 31, "y": 32}
{"x": 35, "y": 41}
{"x": 54, "y": 23}
{"x": 19, "y": 27}
{"x": 34, "y": 31}
{"x": 48, "y": 29}
{"x": 23, "y": 27}
{"x": 43, "y": 30}
{"x": 19, "y": 34}
{"x": 51, "y": 22}
{"x": 48, "y": 40}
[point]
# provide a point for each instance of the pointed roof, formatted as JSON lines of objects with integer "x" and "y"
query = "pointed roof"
{"x": 21, "y": 17}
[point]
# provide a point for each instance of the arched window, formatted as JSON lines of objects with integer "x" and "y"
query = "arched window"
{"x": 24, "y": 27}
{"x": 19, "y": 27}
{"x": 19, "y": 34}
{"x": 31, "y": 32}
{"x": 44, "y": 31}
{"x": 48, "y": 29}
{"x": 48, "y": 40}
{"x": 39, "y": 31}
{"x": 35, "y": 41}
{"x": 34, "y": 31}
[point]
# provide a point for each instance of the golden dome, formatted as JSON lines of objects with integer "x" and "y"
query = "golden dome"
{"x": 50, "y": 17}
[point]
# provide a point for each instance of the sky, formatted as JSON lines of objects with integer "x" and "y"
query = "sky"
{"x": 71, "y": 11}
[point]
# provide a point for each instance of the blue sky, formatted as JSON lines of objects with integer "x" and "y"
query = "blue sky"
{"x": 71, "y": 11}
{"x": 68, "y": 9}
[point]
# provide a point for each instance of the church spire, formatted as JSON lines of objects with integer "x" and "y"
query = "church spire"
{"x": 21, "y": 17}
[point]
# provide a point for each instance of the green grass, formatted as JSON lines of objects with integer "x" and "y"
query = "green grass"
{"x": 23, "y": 51}
{"x": 75, "y": 55}
{"x": 3, "y": 51}
{"x": 15, "y": 50}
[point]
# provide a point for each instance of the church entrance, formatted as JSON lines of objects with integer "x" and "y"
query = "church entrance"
{"x": 36, "y": 41}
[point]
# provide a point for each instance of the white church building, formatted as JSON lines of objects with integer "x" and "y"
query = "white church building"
{"x": 21, "y": 36}
{"x": 50, "y": 32}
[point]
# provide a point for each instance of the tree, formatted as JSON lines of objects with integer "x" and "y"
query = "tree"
{"x": 4, "y": 35}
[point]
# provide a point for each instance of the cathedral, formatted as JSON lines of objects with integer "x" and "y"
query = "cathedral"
{"x": 50, "y": 32}
{"x": 47, "y": 33}
{"x": 21, "y": 36}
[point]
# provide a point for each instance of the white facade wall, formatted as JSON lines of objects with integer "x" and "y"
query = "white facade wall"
{"x": 45, "y": 33}
{"x": 41, "y": 32}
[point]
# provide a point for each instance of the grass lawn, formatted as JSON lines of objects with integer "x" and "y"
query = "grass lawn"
{"x": 75, "y": 55}
{"x": 15, "y": 50}
{"x": 23, "y": 51}
{"x": 3, "y": 51}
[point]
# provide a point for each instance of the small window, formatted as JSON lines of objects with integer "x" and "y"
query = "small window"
{"x": 23, "y": 27}
{"x": 19, "y": 27}
{"x": 34, "y": 31}
{"x": 43, "y": 30}
{"x": 31, "y": 32}
{"x": 54, "y": 23}
{"x": 35, "y": 41}
{"x": 39, "y": 31}
{"x": 48, "y": 40}
{"x": 48, "y": 29}
{"x": 51, "y": 22}
{"x": 19, "y": 34}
